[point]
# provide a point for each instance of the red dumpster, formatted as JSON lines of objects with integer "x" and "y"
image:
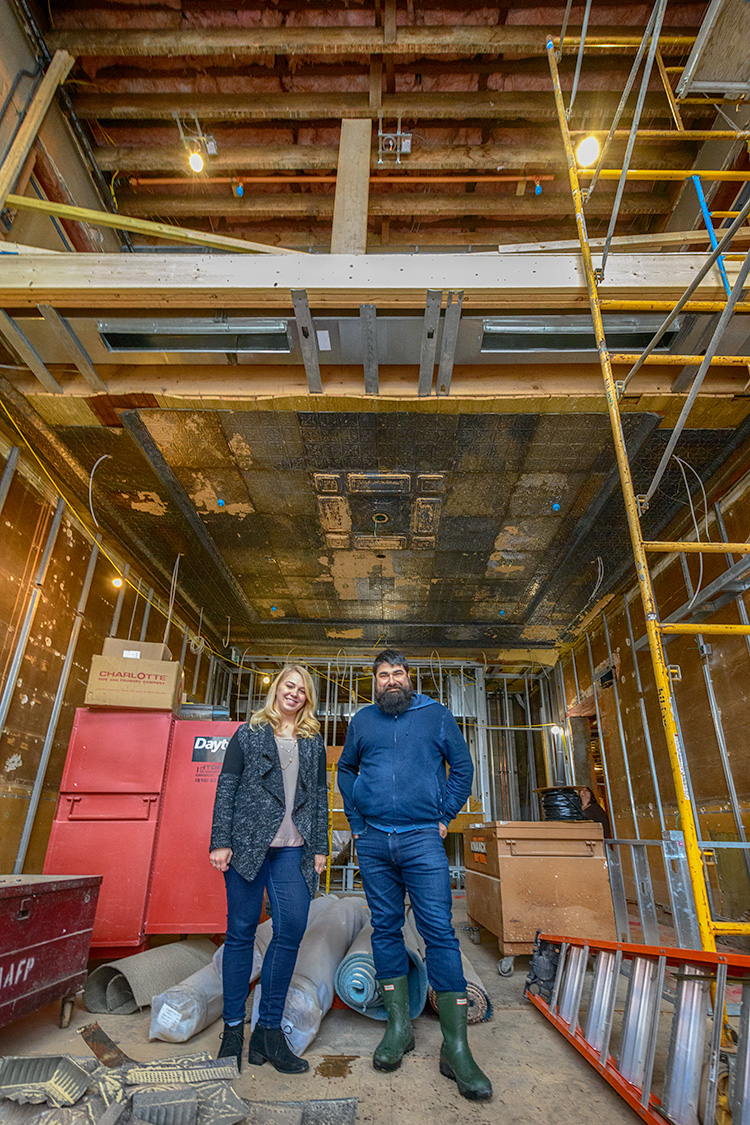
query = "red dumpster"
{"x": 45, "y": 934}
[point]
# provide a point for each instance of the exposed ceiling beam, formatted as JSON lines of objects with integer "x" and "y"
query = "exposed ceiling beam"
{"x": 500, "y": 205}
{"x": 141, "y": 226}
{"x": 26, "y": 352}
{"x": 539, "y": 154}
{"x": 387, "y": 280}
{"x": 244, "y": 43}
{"x": 496, "y": 105}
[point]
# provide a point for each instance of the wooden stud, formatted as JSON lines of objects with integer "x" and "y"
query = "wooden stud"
{"x": 349, "y": 234}
{"x": 73, "y": 346}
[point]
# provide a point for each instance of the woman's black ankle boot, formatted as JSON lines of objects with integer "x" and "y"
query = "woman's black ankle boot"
{"x": 268, "y": 1044}
{"x": 232, "y": 1041}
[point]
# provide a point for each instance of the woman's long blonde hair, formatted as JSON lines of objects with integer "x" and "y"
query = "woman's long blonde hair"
{"x": 307, "y": 725}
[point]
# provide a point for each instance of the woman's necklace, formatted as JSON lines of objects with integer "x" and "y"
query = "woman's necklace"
{"x": 289, "y": 751}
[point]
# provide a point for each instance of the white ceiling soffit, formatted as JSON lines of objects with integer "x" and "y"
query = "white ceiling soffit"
{"x": 719, "y": 62}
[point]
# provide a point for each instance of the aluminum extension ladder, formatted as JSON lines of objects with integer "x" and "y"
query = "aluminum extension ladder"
{"x": 701, "y": 1074}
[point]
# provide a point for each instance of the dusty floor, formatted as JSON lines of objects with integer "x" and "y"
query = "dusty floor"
{"x": 538, "y": 1078}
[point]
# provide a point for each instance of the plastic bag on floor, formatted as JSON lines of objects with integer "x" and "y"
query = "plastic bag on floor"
{"x": 186, "y": 1008}
{"x": 328, "y": 936}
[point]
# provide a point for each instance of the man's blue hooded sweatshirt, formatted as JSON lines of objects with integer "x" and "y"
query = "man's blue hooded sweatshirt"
{"x": 392, "y": 771}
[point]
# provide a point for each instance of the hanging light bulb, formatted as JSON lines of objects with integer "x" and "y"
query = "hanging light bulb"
{"x": 195, "y": 160}
{"x": 117, "y": 582}
{"x": 587, "y": 152}
{"x": 266, "y": 679}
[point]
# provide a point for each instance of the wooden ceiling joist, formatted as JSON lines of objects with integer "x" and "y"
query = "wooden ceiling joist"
{"x": 243, "y": 43}
{"x": 492, "y": 105}
{"x": 395, "y": 281}
{"x": 538, "y": 156}
{"x": 391, "y": 205}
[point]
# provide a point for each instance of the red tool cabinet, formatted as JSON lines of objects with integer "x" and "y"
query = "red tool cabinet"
{"x": 45, "y": 934}
{"x": 135, "y": 805}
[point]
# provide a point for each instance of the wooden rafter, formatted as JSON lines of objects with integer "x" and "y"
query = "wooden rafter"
{"x": 243, "y": 42}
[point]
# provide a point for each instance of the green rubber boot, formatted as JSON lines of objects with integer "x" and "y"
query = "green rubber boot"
{"x": 456, "y": 1060}
{"x": 399, "y": 1036}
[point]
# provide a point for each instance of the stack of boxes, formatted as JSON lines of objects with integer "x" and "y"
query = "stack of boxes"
{"x": 135, "y": 674}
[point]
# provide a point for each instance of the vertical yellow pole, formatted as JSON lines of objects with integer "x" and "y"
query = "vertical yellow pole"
{"x": 330, "y": 826}
{"x": 661, "y": 674}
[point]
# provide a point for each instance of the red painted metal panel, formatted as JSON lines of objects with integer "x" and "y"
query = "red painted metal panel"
{"x": 117, "y": 751}
{"x": 45, "y": 934}
{"x": 187, "y": 894}
{"x": 121, "y": 851}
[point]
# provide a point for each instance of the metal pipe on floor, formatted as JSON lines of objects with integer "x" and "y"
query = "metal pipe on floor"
{"x": 49, "y": 738}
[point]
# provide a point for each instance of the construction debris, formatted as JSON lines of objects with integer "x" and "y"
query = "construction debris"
{"x": 54, "y": 1079}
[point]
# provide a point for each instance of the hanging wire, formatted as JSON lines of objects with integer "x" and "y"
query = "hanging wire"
{"x": 103, "y": 457}
{"x": 683, "y": 465}
{"x": 172, "y": 595}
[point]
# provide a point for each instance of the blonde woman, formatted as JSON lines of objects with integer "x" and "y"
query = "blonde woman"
{"x": 270, "y": 833}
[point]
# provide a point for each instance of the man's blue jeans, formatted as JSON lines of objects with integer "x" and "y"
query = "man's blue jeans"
{"x": 392, "y": 863}
{"x": 290, "y": 903}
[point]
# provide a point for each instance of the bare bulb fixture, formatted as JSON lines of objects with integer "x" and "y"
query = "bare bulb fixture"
{"x": 117, "y": 582}
{"x": 587, "y": 152}
{"x": 195, "y": 160}
{"x": 555, "y": 729}
{"x": 266, "y": 679}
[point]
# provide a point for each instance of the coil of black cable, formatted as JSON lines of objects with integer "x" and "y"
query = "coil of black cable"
{"x": 562, "y": 804}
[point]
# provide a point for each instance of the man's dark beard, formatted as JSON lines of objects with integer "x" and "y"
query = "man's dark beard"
{"x": 394, "y": 701}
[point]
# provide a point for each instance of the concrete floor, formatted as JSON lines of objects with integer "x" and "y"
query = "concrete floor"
{"x": 538, "y": 1078}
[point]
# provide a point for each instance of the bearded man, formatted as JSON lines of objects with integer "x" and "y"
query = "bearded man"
{"x": 399, "y": 800}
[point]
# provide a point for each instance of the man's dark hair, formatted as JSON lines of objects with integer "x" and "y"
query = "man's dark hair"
{"x": 390, "y": 656}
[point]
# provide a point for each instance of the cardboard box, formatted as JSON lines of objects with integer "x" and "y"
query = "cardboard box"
{"x": 123, "y": 682}
{"x": 115, "y": 649}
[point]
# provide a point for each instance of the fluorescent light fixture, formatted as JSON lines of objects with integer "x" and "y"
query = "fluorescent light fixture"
{"x": 235, "y": 335}
{"x": 587, "y": 152}
{"x": 574, "y": 333}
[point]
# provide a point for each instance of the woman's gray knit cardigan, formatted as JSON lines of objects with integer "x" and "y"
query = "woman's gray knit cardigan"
{"x": 249, "y": 806}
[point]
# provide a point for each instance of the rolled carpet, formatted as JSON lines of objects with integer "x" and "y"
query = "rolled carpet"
{"x": 480, "y": 1005}
{"x": 124, "y": 986}
{"x": 356, "y": 985}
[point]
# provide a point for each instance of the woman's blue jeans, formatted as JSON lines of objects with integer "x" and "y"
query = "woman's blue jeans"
{"x": 280, "y": 875}
{"x": 392, "y": 863}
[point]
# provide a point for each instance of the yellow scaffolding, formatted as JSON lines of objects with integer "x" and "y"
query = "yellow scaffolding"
{"x": 654, "y": 628}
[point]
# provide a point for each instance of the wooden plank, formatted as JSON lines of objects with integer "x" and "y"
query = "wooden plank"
{"x": 622, "y": 242}
{"x": 250, "y": 42}
{"x": 349, "y": 233}
{"x": 57, "y": 72}
{"x": 143, "y": 226}
{"x": 65, "y": 336}
{"x": 388, "y": 281}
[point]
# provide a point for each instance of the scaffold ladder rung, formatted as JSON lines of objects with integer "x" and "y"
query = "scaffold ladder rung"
{"x": 690, "y": 1089}
{"x": 691, "y": 547}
